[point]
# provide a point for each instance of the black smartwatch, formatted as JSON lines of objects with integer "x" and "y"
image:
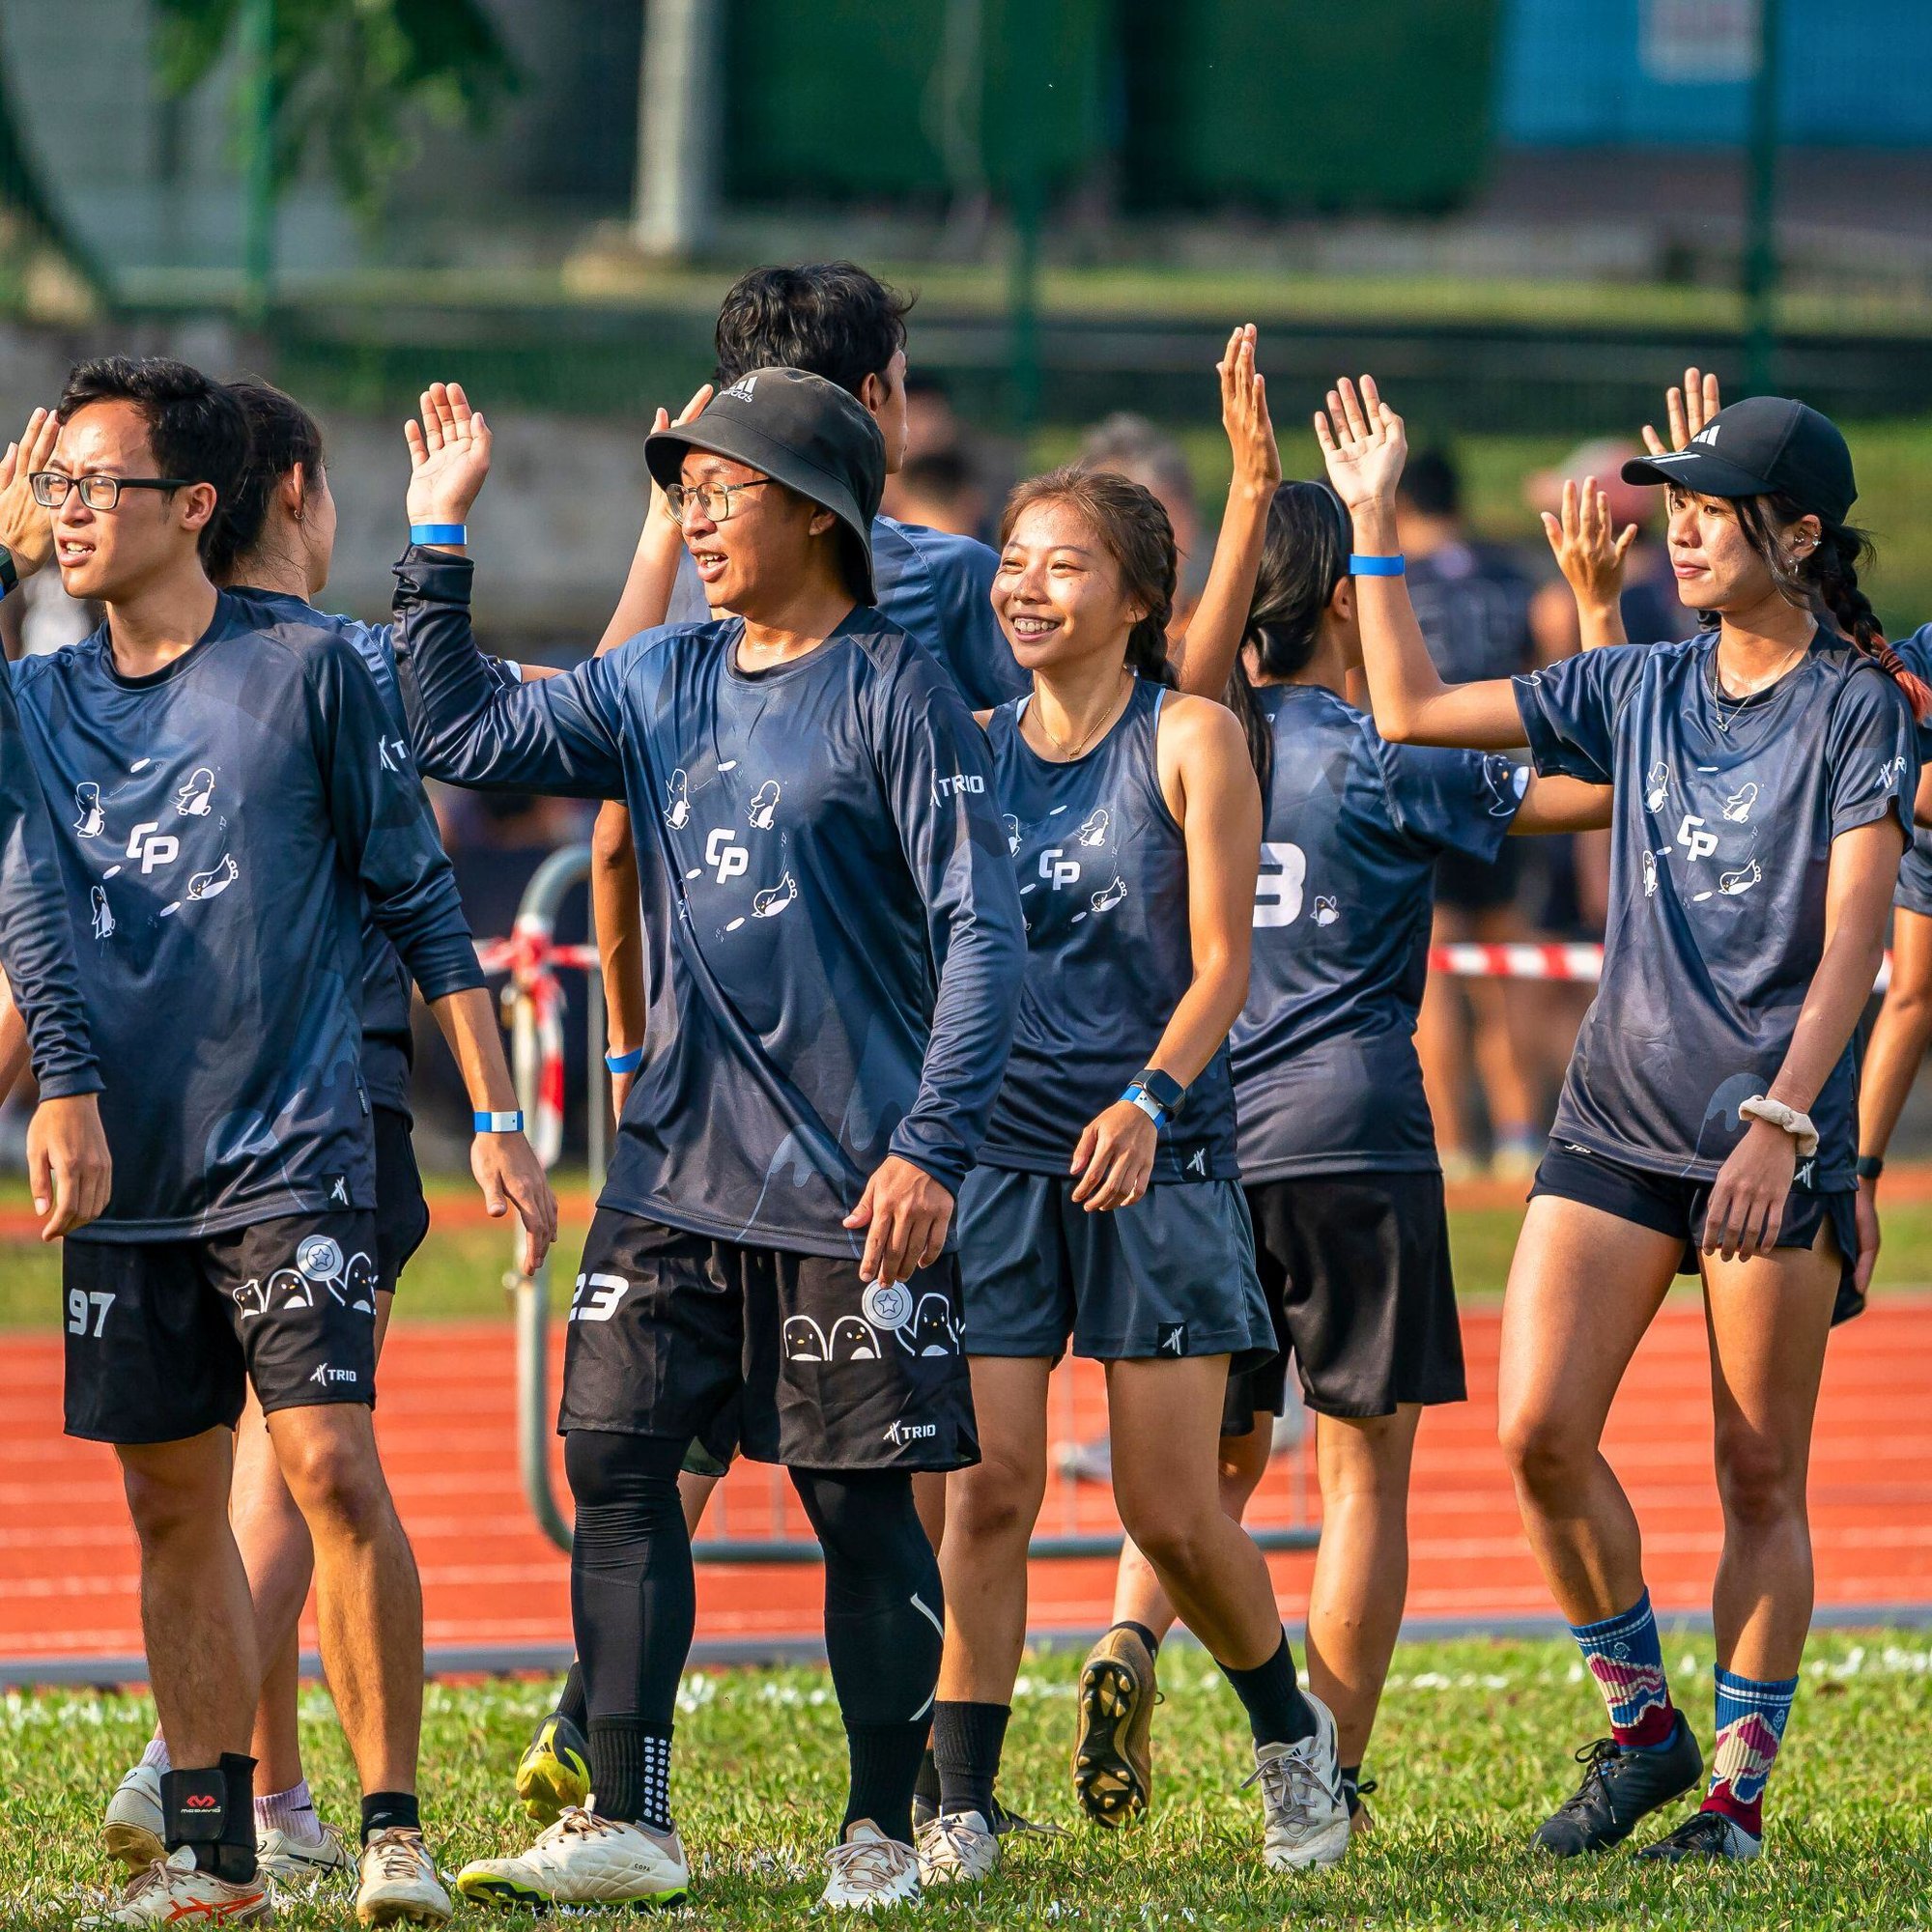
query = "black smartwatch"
{"x": 10, "y": 578}
{"x": 1164, "y": 1087}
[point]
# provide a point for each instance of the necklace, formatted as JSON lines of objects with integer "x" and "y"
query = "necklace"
{"x": 1720, "y": 699}
{"x": 1072, "y": 751}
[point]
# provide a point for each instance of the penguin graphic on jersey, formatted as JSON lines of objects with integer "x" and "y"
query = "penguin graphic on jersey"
{"x": 764, "y": 805}
{"x": 1094, "y": 830}
{"x": 193, "y": 798}
{"x": 677, "y": 806}
{"x": 1657, "y": 788}
{"x": 93, "y": 820}
{"x": 103, "y": 914}
{"x": 1737, "y": 808}
{"x": 215, "y": 881}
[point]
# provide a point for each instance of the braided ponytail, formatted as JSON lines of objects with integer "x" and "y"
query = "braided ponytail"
{"x": 1826, "y": 580}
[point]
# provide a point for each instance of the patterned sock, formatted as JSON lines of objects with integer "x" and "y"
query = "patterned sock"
{"x": 1626, "y": 1657}
{"x": 629, "y": 1772}
{"x": 292, "y": 1811}
{"x": 156, "y": 1755}
{"x": 1751, "y": 1716}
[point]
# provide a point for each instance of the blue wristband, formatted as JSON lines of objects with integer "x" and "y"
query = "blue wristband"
{"x": 1147, "y": 1103}
{"x": 1379, "y": 566}
{"x": 498, "y": 1123}
{"x": 625, "y": 1063}
{"x": 438, "y": 533}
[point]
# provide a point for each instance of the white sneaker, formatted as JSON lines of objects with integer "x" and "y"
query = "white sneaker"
{"x": 172, "y": 1892}
{"x": 397, "y": 1881}
{"x": 1306, "y": 1816}
{"x": 870, "y": 1871}
{"x": 583, "y": 1860}
{"x": 955, "y": 1848}
{"x": 303, "y": 1862}
{"x": 131, "y": 1827}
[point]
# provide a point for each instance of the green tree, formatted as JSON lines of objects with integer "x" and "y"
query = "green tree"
{"x": 349, "y": 77}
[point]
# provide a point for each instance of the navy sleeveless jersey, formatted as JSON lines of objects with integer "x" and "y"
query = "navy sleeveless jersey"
{"x": 937, "y": 588}
{"x": 1102, "y": 872}
{"x": 223, "y": 825}
{"x": 1325, "y": 1074}
{"x": 1914, "y": 870}
{"x": 1722, "y": 839}
{"x": 831, "y": 943}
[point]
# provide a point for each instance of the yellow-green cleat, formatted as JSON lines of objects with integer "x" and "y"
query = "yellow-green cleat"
{"x": 553, "y": 1774}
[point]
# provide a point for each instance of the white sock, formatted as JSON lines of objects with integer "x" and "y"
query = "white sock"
{"x": 156, "y": 1755}
{"x": 292, "y": 1811}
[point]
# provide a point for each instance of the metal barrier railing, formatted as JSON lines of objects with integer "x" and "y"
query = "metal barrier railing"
{"x": 753, "y": 1516}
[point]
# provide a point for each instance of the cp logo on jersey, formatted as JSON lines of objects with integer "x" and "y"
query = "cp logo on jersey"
{"x": 1057, "y": 868}
{"x": 1694, "y": 839}
{"x": 149, "y": 844}
{"x": 726, "y": 857}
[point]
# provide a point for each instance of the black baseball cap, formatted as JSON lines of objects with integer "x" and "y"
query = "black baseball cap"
{"x": 1756, "y": 447}
{"x": 798, "y": 430}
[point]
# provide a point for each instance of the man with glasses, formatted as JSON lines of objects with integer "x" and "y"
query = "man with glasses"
{"x": 835, "y": 954}
{"x": 228, "y": 795}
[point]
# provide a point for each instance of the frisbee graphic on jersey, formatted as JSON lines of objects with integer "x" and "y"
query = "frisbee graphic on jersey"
{"x": 319, "y": 1256}
{"x": 887, "y": 1304}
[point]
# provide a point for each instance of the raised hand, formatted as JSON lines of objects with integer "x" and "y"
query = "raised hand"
{"x": 1365, "y": 448}
{"x": 1687, "y": 411}
{"x": 25, "y": 529}
{"x": 1245, "y": 415}
{"x": 449, "y": 456}
{"x": 1589, "y": 552}
{"x": 664, "y": 420}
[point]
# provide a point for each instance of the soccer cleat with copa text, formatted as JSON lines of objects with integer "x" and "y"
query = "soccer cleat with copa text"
{"x": 583, "y": 1860}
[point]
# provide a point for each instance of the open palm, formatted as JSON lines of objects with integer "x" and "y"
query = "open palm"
{"x": 27, "y": 531}
{"x": 449, "y": 456}
{"x": 1363, "y": 442}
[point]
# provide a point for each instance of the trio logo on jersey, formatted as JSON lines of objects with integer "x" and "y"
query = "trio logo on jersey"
{"x": 338, "y": 1190}
{"x": 725, "y": 856}
{"x": 325, "y": 1375}
{"x": 194, "y": 798}
{"x": 898, "y": 1433}
{"x": 956, "y": 787}
{"x": 1197, "y": 1163}
{"x": 1171, "y": 1339}
{"x": 394, "y": 753}
{"x": 153, "y": 847}
{"x": 1694, "y": 839}
{"x": 93, "y": 820}
{"x": 1057, "y": 868}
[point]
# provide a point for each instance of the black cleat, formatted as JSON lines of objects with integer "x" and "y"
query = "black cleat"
{"x": 1619, "y": 1786}
{"x": 1707, "y": 1837}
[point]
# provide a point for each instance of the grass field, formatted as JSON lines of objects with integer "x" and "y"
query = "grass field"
{"x": 1472, "y": 1750}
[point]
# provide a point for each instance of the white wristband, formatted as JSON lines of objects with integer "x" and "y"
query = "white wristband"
{"x": 1774, "y": 1113}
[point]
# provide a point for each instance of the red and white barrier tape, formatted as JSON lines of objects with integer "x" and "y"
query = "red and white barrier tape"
{"x": 1528, "y": 959}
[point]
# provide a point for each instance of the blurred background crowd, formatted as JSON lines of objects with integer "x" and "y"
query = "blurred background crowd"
{"x": 1525, "y": 216}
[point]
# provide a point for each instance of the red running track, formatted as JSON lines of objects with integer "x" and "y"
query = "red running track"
{"x": 68, "y": 1559}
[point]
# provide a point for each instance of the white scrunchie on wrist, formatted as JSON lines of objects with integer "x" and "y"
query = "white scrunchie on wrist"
{"x": 1774, "y": 1113}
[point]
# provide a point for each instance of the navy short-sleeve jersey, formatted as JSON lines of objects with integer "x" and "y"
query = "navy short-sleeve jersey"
{"x": 1325, "y": 1074}
{"x": 1914, "y": 870}
{"x": 1720, "y": 844}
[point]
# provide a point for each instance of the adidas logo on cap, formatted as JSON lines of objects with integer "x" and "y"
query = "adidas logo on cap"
{"x": 742, "y": 388}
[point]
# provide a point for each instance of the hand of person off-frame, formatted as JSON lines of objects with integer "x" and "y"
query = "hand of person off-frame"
{"x": 26, "y": 530}
{"x": 1589, "y": 551}
{"x": 510, "y": 1175}
{"x": 1746, "y": 1205}
{"x": 1115, "y": 1158}
{"x": 906, "y": 1213}
{"x": 1363, "y": 442}
{"x": 449, "y": 456}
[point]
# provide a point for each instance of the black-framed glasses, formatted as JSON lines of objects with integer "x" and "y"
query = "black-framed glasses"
{"x": 53, "y": 487}
{"x": 713, "y": 501}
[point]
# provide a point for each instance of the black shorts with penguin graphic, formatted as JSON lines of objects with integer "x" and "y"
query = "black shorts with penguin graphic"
{"x": 164, "y": 1337}
{"x": 676, "y": 1334}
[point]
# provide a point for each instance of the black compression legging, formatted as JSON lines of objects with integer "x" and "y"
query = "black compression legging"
{"x": 632, "y": 1598}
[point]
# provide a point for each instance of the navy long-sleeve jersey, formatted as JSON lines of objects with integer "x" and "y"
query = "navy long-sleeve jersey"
{"x": 221, "y": 825}
{"x": 35, "y": 940}
{"x": 834, "y": 943}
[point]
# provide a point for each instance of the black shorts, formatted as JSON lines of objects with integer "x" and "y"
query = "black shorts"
{"x": 164, "y": 1337}
{"x": 670, "y": 1332}
{"x": 1674, "y": 1205}
{"x": 1172, "y": 1274}
{"x": 1464, "y": 884}
{"x": 1357, "y": 1270}
{"x": 402, "y": 1214}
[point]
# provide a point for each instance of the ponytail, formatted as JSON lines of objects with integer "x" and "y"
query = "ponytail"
{"x": 1826, "y": 581}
